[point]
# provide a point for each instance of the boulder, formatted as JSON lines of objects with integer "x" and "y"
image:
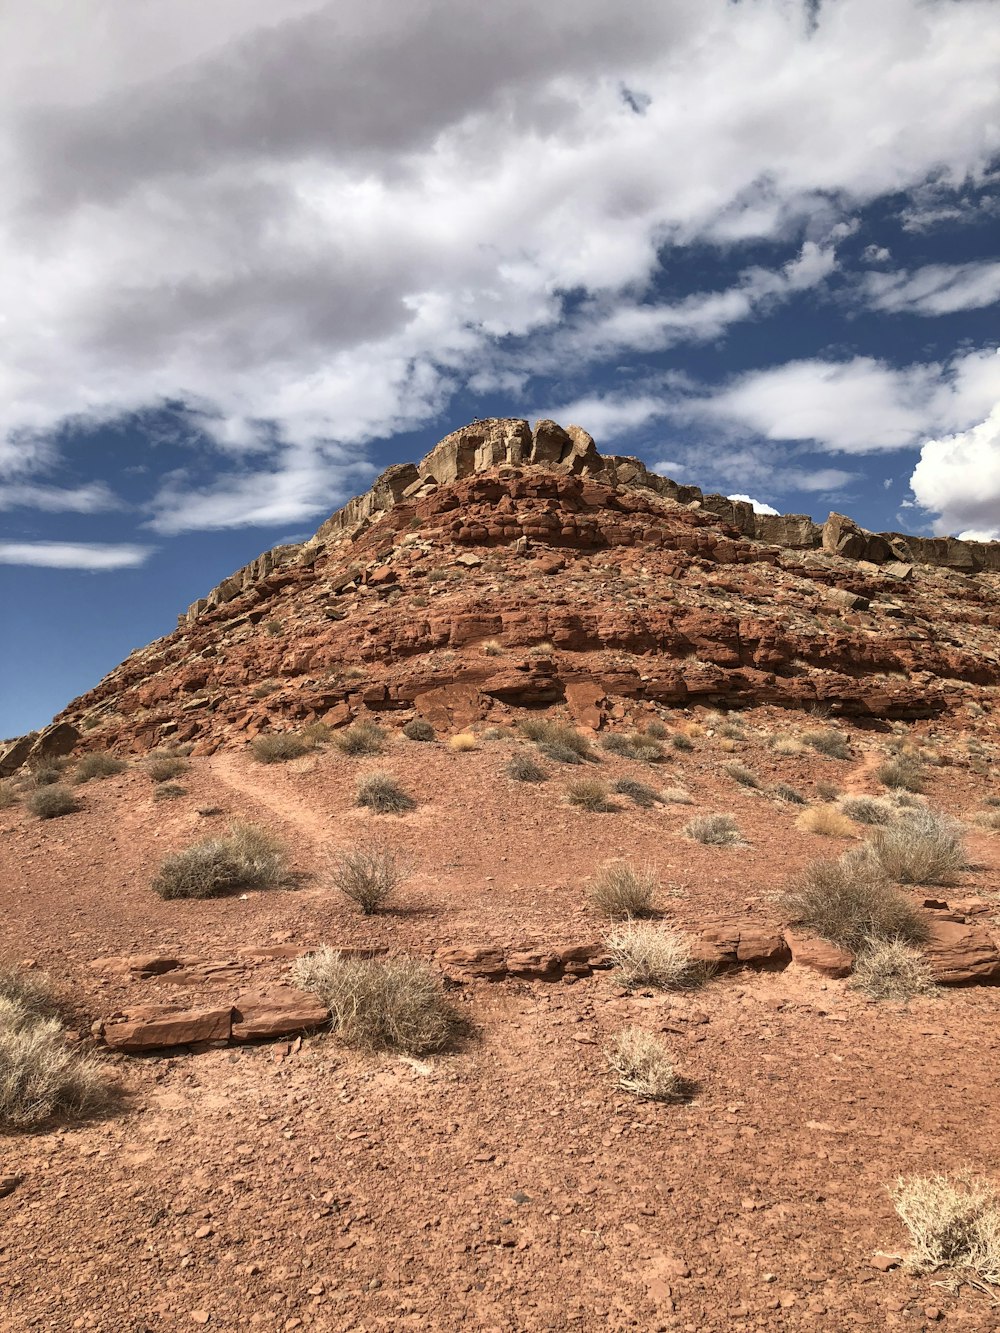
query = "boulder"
{"x": 843, "y": 537}
{"x": 586, "y": 700}
{"x": 960, "y": 954}
{"x": 796, "y": 531}
{"x": 15, "y": 754}
{"x": 549, "y": 442}
{"x": 54, "y": 741}
{"x": 819, "y": 955}
{"x": 731, "y": 944}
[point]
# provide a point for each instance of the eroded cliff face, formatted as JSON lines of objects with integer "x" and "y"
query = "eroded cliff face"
{"x": 514, "y": 567}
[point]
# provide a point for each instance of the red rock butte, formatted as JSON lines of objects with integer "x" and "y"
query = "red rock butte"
{"x": 517, "y": 567}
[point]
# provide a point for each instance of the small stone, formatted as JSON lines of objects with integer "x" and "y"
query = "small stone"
{"x": 200, "y": 1316}
{"x": 885, "y": 1262}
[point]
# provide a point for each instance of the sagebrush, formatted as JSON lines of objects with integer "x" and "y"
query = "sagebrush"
{"x": 622, "y": 890}
{"x": 249, "y": 857}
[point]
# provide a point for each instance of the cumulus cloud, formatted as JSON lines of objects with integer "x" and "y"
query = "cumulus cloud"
{"x": 758, "y": 505}
{"x": 74, "y": 555}
{"x": 313, "y": 224}
{"x": 935, "y": 289}
{"x": 958, "y": 478}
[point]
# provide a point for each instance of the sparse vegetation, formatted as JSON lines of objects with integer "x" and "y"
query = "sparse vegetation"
{"x": 492, "y": 648}
{"x": 590, "y": 794}
{"x": 265, "y": 688}
{"x": 46, "y": 775}
{"x": 648, "y": 955}
{"x": 901, "y": 773}
{"x": 827, "y": 791}
{"x": 867, "y": 809}
{"x": 851, "y": 902}
{"x": 277, "y": 747}
{"x": 787, "y": 745}
{"x": 681, "y": 742}
{"x": 781, "y": 791}
{"x": 9, "y": 795}
{"x": 380, "y": 792}
{"x": 746, "y": 777}
{"x": 826, "y": 820}
{"x": 635, "y": 745}
{"x": 248, "y": 858}
{"x": 42, "y": 1077}
{"x": 164, "y": 768}
{"x": 168, "y": 791}
{"x": 367, "y": 875}
{"x": 273, "y": 627}
{"x": 51, "y": 802}
{"x": 363, "y": 737}
{"x": 714, "y": 830}
{"x": 557, "y": 740}
{"x": 316, "y": 734}
{"x": 644, "y": 1066}
{"x": 640, "y": 792}
{"x": 418, "y": 730}
{"x": 953, "y": 1221}
{"x": 462, "y": 742}
{"x": 657, "y": 730}
{"x": 393, "y": 1003}
{"x": 621, "y": 890}
{"x": 890, "y": 970}
{"x": 98, "y": 765}
{"x": 829, "y": 742}
{"x": 522, "y": 768}
{"x": 924, "y": 847}
{"x": 676, "y": 796}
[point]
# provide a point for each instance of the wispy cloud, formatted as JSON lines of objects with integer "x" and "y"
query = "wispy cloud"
{"x": 89, "y": 499}
{"x": 74, "y": 555}
{"x": 935, "y": 289}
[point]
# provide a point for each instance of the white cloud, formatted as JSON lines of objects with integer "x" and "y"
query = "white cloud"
{"x": 935, "y": 289}
{"x": 88, "y": 499}
{"x": 958, "y": 478}
{"x": 74, "y": 555}
{"x": 876, "y": 254}
{"x": 313, "y": 222}
{"x": 758, "y": 505}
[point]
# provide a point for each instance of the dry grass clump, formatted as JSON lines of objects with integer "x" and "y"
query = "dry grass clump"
{"x": 522, "y": 768}
{"x": 640, "y": 792}
{"x": 393, "y": 1003}
{"x": 462, "y": 742}
{"x": 316, "y": 734}
{"x": 826, "y": 820}
{"x": 851, "y": 902}
{"x": 681, "y": 741}
{"x": 901, "y": 773}
{"x": 360, "y": 738}
{"x": 277, "y": 747}
{"x": 51, "y": 802}
{"x": 828, "y": 741}
{"x": 648, "y": 955}
{"x": 781, "y": 791}
{"x": 868, "y": 809}
{"x": 557, "y": 740}
{"x": 787, "y": 745}
{"x": 380, "y": 791}
{"x": 634, "y": 745}
{"x": 9, "y": 795}
{"x": 169, "y": 791}
{"x": 590, "y": 794}
{"x": 492, "y": 648}
{"x": 248, "y": 858}
{"x": 657, "y": 730}
{"x": 987, "y": 819}
{"x": 419, "y": 730}
{"x": 714, "y": 830}
{"x": 924, "y": 847}
{"x": 31, "y": 991}
{"x": 164, "y": 768}
{"x": 41, "y": 1076}
{"x": 676, "y": 796}
{"x": 98, "y": 766}
{"x": 891, "y": 970}
{"x": 45, "y": 775}
{"x": 621, "y": 890}
{"x": 368, "y": 875}
{"x": 746, "y": 777}
{"x": 953, "y": 1221}
{"x": 644, "y": 1066}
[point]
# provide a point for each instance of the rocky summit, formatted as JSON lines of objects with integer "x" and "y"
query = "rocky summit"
{"x": 518, "y": 567}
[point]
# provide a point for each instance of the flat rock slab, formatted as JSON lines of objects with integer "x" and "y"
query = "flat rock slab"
{"x": 153, "y": 1027}
{"x": 819, "y": 955}
{"x": 961, "y": 954}
{"x": 281, "y": 1011}
{"x": 731, "y": 945}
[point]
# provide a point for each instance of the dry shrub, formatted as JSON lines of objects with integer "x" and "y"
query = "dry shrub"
{"x": 676, "y": 796}
{"x": 418, "y": 730}
{"x": 827, "y": 791}
{"x": 954, "y": 1222}
{"x": 462, "y": 742}
{"x": 644, "y": 1066}
{"x": 45, "y": 775}
{"x": 169, "y": 791}
{"x": 868, "y": 809}
{"x": 692, "y": 730}
{"x": 98, "y": 766}
{"x": 164, "y": 768}
{"x": 522, "y": 768}
{"x": 851, "y": 902}
{"x": 368, "y": 875}
{"x": 746, "y": 777}
{"x": 557, "y": 740}
{"x": 727, "y": 746}
{"x": 657, "y": 730}
{"x": 787, "y": 745}
{"x": 51, "y": 802}
{"x": 621, "y": 890}
{"x": 681, "y": 741}
{"x": 31, "y": 991}
{"x": 640, "y": 792}
{"x": 781, "y": 791}
{"x": 890, "y": 970}
{"x": 492, "y": 648}
{"x": 902, "y": 774}
{"x": 590, "y": 794}
{"x": 361, "y": 738}
{"x": 380, "y": 791}
{"x": 826, "y": 820}
{"x": 635, "y": 745}
{"x": 277, "y": 747}
{"x": 732, "y": 731}
{"x": 828, "y": 741}
{"x": 41, "y": 1076}
{"x": 714, "y": 830}
{"x": 316, "y": 734}
{"x": 648, "y": 955}
{"x": 924, "y": 847}
{"x": 9, "y": 795}
{"x": 987, "y": 819}
{"x": 393, "y": 1003}
{"x": 248, "y": 858}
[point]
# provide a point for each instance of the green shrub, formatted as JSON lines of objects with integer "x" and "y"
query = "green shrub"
{"x": 621, "y": 890}
{"x": 380, "y": 791}
{"x": 51, "y": 802}
{"x": 557, "y": 740}
{"x": 100, "y": 765}
{"x": 46, "y": 775}
{"x": 169, "y": 791}
{"x": 418, "y": 730}
{"x": 393, "y": 1003}
{"x": 681, "y": 742}
{"x": 277, "y": 747}
{"x": 746, "y": 777}
{"x": 248, "y": 858}
{"x": 714, "y": 830}
{"x": 781, "y": 791}
{"x": 851, "y": 902}
{"x": 657, "y": 730}
{"x": 633, "y": 746}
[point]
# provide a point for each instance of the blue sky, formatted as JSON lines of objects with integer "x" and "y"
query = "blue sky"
{"x": 253, "y": 252}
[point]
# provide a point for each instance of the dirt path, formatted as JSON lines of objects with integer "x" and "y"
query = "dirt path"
{"x": 857, "y": 780}
{"x": 265, "y": 789}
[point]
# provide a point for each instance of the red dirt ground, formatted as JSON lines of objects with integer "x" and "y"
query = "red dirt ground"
{"x": 510, "y": 1185}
